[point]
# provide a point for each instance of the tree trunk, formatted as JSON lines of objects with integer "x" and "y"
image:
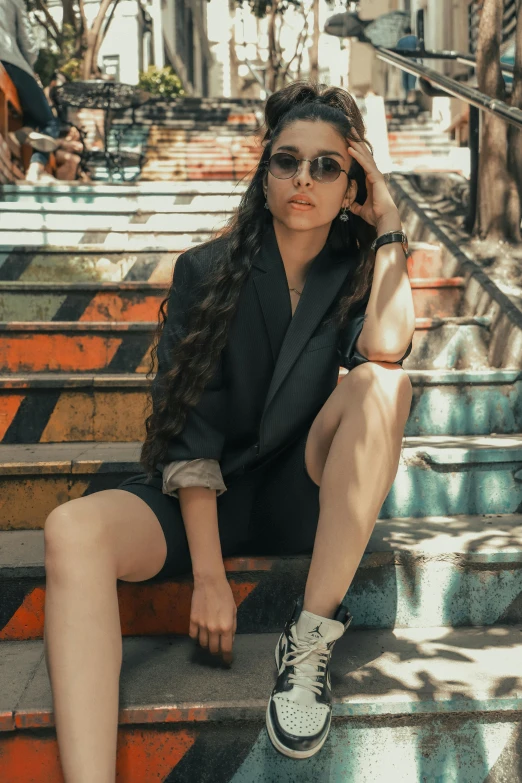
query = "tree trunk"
{"x": 89, "y": 64}
{"x": 498, "y": 209}
{"x": 273, "y": 55}
{"x": 314, "y": 49}
{"x": 234, "y": 62}
{"x": 514, "y": 134}
{"x": 69, "y": 17}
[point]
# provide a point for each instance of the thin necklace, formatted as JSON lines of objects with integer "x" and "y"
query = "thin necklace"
{"x": 295, "y": 289}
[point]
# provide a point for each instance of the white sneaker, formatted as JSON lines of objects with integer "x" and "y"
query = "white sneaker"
{"x": 36, "y": 174}
{"x": 299, "y": 711}
{"x": 38, "y": 141}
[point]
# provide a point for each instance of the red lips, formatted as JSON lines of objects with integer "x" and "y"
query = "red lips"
{"x": 301, "y": 198}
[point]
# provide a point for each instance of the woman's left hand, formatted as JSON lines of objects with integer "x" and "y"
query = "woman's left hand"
{"x": 379, "y": 209}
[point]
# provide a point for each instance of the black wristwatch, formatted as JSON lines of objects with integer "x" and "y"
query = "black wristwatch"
{"x": 391, "y": 236}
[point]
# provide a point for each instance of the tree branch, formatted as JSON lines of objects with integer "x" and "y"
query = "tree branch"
{"x": 50, "y": 21}
{"x": 46, "y": 27}
{"x": 109, "y": 20}
{"x": 301, "y": 38}
{"x": 83, "y": 18}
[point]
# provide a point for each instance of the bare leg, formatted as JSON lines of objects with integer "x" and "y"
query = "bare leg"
{"x": 67, "y": 165}
{"x": 90, "y": 543}
{"x": 352, "y": 452}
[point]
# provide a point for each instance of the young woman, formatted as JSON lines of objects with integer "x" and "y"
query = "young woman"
{"x": 252, "y": 446}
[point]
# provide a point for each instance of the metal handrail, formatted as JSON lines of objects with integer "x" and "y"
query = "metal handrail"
{"x": 253, "y": 69}
{"x": 448, "y": 54}
{"x": 469, "y": 59}
{"x": 470, "y": 95}
{"x": 449, "y": 85}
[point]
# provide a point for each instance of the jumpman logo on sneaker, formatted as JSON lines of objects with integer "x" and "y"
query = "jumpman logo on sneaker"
{"x": 316, "y": 631}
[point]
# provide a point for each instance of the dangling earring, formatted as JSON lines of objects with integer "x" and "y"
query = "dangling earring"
{"x": 266, "y": 204}
{"x": 344, "y": 216}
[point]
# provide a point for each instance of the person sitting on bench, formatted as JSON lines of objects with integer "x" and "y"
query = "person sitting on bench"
{"x": 18, "y": 54}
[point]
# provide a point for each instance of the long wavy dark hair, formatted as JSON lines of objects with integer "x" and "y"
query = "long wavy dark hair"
{"x": 236, "y": 246}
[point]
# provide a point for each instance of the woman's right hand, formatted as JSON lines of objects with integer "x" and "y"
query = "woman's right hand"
{"x": 213, "y": 615}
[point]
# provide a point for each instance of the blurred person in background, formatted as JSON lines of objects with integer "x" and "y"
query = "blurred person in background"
{"x": 18, "y": 54}
{"x": 408, "y": 41}
{"x": 68, "y": 156}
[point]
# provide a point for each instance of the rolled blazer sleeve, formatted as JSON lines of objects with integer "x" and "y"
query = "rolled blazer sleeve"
{"x": 193, "y": 473}
{"x": 202, "y": 436}
{"x": 24, "y": 34}
{"x": 348, "y": 355}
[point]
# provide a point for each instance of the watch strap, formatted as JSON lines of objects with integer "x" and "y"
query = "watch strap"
{"x": 389, "y": 236}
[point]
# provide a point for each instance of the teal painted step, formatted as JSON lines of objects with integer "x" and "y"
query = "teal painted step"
{"x": 440, "y": 571}
{"x": 445, "y": 475}
{"x": 424, "y": 572}
{"x": 468, "y": 402}
{"x": 431, "y": 705}
{"x": 437, "y": 475}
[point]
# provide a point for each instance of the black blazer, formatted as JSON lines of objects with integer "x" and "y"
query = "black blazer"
{"x": 276, "y": 371}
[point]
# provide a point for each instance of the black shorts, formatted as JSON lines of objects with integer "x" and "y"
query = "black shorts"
{"x": 271, "y": 509}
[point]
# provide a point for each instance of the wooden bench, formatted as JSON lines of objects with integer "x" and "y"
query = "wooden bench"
{"x": 9, "y": 103}
{"x": 14, "y": 159}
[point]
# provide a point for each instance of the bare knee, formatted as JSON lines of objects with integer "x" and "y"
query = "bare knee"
{"x": 387, "y": 375}
{"x": 71, "y": 533}
{"x": 111, "y": 529}
{"x": 387, "y": 381}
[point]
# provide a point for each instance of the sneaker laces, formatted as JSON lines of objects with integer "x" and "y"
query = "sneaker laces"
{"x": 314, "y": 653}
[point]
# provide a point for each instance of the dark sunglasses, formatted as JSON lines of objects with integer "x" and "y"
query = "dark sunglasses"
{"x": 283, "y": 165}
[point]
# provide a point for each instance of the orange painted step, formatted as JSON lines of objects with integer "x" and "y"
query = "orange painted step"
{"x": 60, "y": 407}
{"x": 170, "y": 691}
{"x": 262, "y": 586}
{"x": 75, "y": 346}
{"x": 35, "y": 478}
{"x": 183, "y": 716}
{"x": 74, "y": 407}
{"x": 112, "y": 347}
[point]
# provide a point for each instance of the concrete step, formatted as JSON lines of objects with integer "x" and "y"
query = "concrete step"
{"x": 456, "y": 162}
{"x": 124, "y": 301}
{"x": 406, "y": 132}
{"x": 61, "y": 225}
{"x": 415, "y": 572}
{"x": 140, "y": 301}
{"x": 140, "y": 207}
{"x": 91, "y": 263}
{"x": 65, "y": 407}
{"x": 48, "y": 194}
{"x": 101, "y": 262}
{"x": 410, "y": 150}
{"x": 450, "y": 342}
{"x": 132, "y": 239}
{"x": 444, "y": 474}
{"x": 441, "y": 704}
